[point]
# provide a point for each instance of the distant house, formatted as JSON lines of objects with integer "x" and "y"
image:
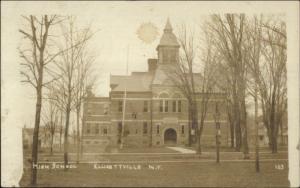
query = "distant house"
{"x": 44, "y": 138}
{"x": 263, "y": 138}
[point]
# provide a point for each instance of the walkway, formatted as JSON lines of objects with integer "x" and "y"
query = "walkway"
{"x": 182, "y": 150}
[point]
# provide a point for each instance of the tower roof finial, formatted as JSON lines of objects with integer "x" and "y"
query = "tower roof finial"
{"x": 168, "y": 38}
{"x": 168, "y": 27}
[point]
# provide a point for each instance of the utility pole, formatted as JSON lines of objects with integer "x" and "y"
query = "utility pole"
{"x": 218, "y": 132}
{"x": 151, "y": 121}
{"x": 124, "y": 104}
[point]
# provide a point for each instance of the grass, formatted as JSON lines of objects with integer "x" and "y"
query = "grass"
{"x": 197, "y": 171}
{"x": 192, "y": 174}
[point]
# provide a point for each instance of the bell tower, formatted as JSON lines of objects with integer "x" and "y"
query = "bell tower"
{"x": 168, "y": 48}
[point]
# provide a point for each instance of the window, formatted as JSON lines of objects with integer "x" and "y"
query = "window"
{"x": 145, "y": 128}
{"x": 105, "y": 130}
{"x": 174, "y": 106}
{"x": 145, "y": 106}
{"x": 165, "y": 56}
{"x": 89, "y": 110}
{"x": 173, "y": 56}
{"x": 157, "y": 129}
{"x": 88, "y": 128}
{"x": 105, "y": 109}
{"x": 182, "y": 129}
{"x": 161, "y": 103}
{"x": 120, "y": 128}
{"x": 97, "y": 129}
{"x": 120, "y": 106}
{"x": 179, "y": 106}
{"x": 134, "y": 115}
{"x": 166, "y": 106}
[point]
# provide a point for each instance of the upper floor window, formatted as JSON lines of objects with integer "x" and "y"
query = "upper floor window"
{"x": 105, "y": 109}
{"x": 172, "y": 56}
{"x": 97, "y": 131}
{"x": 161, "y": 103}
{"x": 120, "y": 127}
{"x": 145, "y": 106}
{"x": 174, "y": 106}
{"x": 134, "y": 115}
{"x": 88, "y": 128}
{"x": 145, "y": 128}
{"x": 169, "y": 55}
{"x": 166, "y": 106}
{"x": 120, "y": 107}
{"x": 105, "y": 131}
{"x": 179, "y": 106}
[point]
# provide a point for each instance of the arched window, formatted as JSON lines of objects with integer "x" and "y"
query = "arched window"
{"x": 164, "y": 95}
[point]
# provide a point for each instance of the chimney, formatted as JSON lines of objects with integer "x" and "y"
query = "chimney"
{"x": 152, "y": 64}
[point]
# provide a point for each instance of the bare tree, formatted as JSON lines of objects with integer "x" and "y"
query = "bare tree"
{"x": 228, "y": 39}
{"x": 35, "y": 57}
{"x": 69, "y": 65}
{"x": 194, "y": 86}
{"x": 84, "y": 80}
{"x": 183, "y": 77}
{"x": 266, "y": 47}
{"x": 50, "y": 118}
{"x": 207, "y": 85}
{"x": 272, "y": 78}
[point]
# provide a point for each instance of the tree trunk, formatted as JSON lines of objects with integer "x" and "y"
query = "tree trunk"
{"x": 274, "y": 144}
{"x": 199, "y": 135}
{"x": 60, "y": 134}
{"x": 36, "y": 134}
{"x": 51, "y": 144}
{"x": 238, "y": 131}
{"x": 231, "y": 133}
{"x": 81, "y": 143}
{"x": 236, "y": 116}
{"x": 66, "y": 141}
{"x": 78, "y": 135}
{"x": 199, "y": 151}
{"x": 245, "y": 131}
{"x": 190, "y": 125}
{"x": 60, "y": 131}
{"x": 281, "y": 132}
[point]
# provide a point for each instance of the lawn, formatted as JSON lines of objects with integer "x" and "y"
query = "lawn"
{"x": 191, "y": 174}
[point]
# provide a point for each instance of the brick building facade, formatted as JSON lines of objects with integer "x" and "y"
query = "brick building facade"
{"x": 156, "y": 112}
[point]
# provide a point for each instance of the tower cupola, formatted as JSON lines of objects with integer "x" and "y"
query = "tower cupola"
{"x": 168, "y": 47}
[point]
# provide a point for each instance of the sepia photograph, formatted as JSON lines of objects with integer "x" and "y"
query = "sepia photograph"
{"x": 150, "y": 94}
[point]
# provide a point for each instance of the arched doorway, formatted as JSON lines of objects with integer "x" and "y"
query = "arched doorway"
{"x": 170, "y": 137}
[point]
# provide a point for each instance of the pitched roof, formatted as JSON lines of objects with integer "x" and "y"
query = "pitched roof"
{"x": 137, "y": 81}
{"x": 161, "y": 77}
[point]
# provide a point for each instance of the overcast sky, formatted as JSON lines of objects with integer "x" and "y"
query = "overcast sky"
{"x": 116, "y": 24}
